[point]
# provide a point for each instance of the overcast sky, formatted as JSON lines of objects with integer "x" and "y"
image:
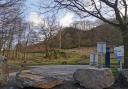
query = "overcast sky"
{"x": 65, "y": 18}
{"x": 32, "y": 14}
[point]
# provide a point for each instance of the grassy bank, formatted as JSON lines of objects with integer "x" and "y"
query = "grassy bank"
{"x": 65, "y": 56}
{"x": 76, "y": 56}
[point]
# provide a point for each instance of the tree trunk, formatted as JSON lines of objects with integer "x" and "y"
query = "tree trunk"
{"x": 125, "y": 43}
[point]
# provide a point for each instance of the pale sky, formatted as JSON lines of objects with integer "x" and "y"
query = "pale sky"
{"x": 35, "y": 18}
{"x": 65, "y": 19}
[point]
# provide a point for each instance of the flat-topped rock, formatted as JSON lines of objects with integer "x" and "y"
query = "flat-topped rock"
{"x": 25, "y": 79}
{"x": 64, "y": 72}
{"x": 47, "y": 76}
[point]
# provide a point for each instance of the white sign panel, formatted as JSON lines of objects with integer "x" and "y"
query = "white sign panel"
{"x": 119, "y": 52}
{"x": 101, "y": 47}
{"x": 93, "y": 58}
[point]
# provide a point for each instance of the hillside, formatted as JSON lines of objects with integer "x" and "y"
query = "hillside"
{"x": 71, "y": 38}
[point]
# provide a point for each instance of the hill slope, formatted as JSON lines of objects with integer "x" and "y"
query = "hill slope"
{"x": 72, "y": 38}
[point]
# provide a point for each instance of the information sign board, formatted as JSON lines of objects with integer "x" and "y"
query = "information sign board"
{"x": 93, "y": 58}
{"x": 101, "y": 47}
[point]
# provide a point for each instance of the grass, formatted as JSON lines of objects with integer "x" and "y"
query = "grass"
{"x": 66, "y": 56}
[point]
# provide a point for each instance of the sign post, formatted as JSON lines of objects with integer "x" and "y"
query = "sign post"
{"x": 119, "y": 53}
{"x": 107, "y": 57}
{"x": 93, "y": 59}
{"x": 101, "y": 50}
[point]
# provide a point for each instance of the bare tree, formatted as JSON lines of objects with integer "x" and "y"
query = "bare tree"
{"x": 60, "y": 37}
{"x": 10, "y": 10}
{"x": 48, "y": 31}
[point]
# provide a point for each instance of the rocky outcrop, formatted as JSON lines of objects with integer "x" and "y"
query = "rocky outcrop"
{"x": 94, "y": 78}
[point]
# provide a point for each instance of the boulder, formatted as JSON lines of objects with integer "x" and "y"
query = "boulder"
{"x": 124, "y": 73}
{"x": 122, "y": 78}
{"x": 4, "y": 71}
{"x": 47, "y": 73}
{"x": 26, "y": 79}
{"x": 94, "y": 78}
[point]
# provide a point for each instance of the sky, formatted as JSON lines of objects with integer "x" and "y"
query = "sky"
{"x": 65, "y": 18}
{"x": 32, "y": 14}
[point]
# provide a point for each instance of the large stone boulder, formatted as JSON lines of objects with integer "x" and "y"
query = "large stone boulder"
{"x": 4, "y": 71}
{"x": 26, "y": 79}
{"x": 48, "y": 74}
{"x": 122, "y": 78}
{"x": 124, "y": 73}
{"x": 94, "y": 78}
